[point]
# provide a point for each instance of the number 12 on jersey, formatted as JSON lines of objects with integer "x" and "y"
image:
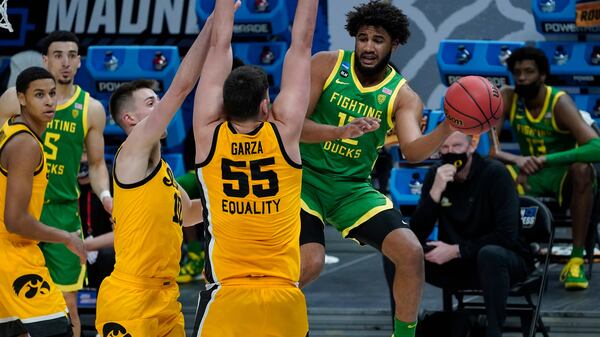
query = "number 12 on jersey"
{"x": 342, "y": 122}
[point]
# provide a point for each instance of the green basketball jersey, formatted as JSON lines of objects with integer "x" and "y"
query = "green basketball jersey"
{"x": 344, "y": 99}
{"x": 539, "y": 135}
{"x": 63, "y": 143}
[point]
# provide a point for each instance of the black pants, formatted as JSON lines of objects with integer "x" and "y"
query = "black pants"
{"x": 494, "y": 271}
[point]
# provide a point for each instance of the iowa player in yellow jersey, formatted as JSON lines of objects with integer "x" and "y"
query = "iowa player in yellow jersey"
{"x": 249, "y": 169}
{"x": 78, "y": 124}
{"x": 30, "y": 303}
{"x": 139, "y": 298}
{"x": 557, "y": 148}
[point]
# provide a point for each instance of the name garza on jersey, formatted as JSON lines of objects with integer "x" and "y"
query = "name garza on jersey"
{"x": 246, "y": 206}
{"x": 244, "y": 148}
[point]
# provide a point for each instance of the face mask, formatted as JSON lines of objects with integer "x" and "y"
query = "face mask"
{"x": 459, "y": 160}
{"x": 528, "y": 91}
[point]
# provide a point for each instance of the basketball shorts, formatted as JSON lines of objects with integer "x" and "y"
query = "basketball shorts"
{"x": 547, "y": 182}
{"x": 64, "y": 266}
{"x": 139, "y": 307}
{"x": 342, "y": 204}
{"x": 258, "y": 309}
{"x": 29, "y": 300}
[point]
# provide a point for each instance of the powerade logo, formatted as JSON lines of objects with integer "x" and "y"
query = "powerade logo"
{"x": 579, "y": 80}
{"x": 498, "y": 81}
{"x": 528, "y": 216}
{"x": 567, "y": 27}
{"x": 111, "y": 86}
{"x": 252, "y": 28}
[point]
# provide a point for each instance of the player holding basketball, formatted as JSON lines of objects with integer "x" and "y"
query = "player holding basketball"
{"x": 250, "y": 174}
{"x": 139, "y": 298}
{"x": 345, "y": 86}
{"x": 556, "y": 146}
{"x": 79, "y": 122}
{"x": 30, "y": 303}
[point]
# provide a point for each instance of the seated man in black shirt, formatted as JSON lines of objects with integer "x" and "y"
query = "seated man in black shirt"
{"x": 475, "y": 203}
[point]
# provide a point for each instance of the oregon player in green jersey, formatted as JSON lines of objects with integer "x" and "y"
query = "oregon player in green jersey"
{"x": 352, "y": 93}
{"x": 556, "y": 146}
{"x": 79, "y": 122}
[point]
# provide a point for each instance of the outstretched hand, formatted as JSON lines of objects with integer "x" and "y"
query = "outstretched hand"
{"x": 359, "y": 126}
{"x": 107, "y": 203}
{"x": 75, "y": 244}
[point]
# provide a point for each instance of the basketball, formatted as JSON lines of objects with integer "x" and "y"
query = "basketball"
{"x": 473, "y": 105}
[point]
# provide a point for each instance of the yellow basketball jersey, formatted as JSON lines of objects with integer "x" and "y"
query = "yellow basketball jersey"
{"x": 147, "y": 218}
{"x": 251, "y": 198}
{"x": 40, "y": 177}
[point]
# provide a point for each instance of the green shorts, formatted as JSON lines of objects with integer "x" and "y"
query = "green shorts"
{"x": 547, "y": 182}
{"x": 342, "y": 204}
{"x": 65, "y": 269}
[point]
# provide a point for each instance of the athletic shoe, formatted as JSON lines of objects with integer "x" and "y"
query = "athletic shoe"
{"x": 192, "y": 269}
{"x": 573, "y": 275}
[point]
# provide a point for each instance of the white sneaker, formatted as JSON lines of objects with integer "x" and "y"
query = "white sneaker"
{"x": 330, "y": 259}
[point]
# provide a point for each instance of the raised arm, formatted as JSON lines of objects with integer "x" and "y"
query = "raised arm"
{"x": 208, "y": 103}
{"x": 291, "y": 104}
{"x": 415, "y": 146}
{"x": 22, "y": 156}
{"x": 94, "y": 144}
{"x": 9, "y": 105}
{"x": 150, "y": 130}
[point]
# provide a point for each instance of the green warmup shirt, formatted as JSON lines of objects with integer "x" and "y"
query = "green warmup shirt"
{"x": 63, "y": 144}
{"x": 539, "y": 135}
{"x": 344, "y": 99}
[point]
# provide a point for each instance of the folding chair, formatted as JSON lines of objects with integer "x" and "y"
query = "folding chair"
{"x": 537, "y": 228}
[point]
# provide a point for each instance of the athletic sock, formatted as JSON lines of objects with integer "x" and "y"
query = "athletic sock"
{"x": 404, "y": 329}
{"x": 577, "y": 252}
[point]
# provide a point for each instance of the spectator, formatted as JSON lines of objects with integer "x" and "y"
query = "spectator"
{"x": 477, "y": 210}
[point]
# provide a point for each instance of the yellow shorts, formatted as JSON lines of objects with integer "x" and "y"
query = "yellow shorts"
{"x": 258, "y": 310}
{"x": 29, "y": 299}
{"x": 138, "y": 307}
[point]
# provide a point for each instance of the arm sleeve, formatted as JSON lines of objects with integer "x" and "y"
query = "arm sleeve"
{"x": 587, "y": 153}
{"x": 427, "y": 212}
{"x": 505, "y": 201}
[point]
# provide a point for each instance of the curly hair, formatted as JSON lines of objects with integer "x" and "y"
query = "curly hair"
{"x": 529, "y": 53}
{"x": 380, "y": 14}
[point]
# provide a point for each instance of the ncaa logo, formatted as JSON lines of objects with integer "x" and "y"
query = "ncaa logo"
{"x": 528, "y": 216}
{"x": 30, "y": 285}
{"x": 346, "y": 66}
{"x": 112, "y": 329}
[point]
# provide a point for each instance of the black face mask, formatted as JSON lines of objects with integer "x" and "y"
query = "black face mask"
{"x": 459, "y": 160}
{"x": 528, "y": 91}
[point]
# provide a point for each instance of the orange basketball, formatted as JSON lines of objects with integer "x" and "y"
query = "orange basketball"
{"x": 473, "y": 105}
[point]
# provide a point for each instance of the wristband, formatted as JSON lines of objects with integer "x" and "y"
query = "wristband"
{"x": 104, "y": 194}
